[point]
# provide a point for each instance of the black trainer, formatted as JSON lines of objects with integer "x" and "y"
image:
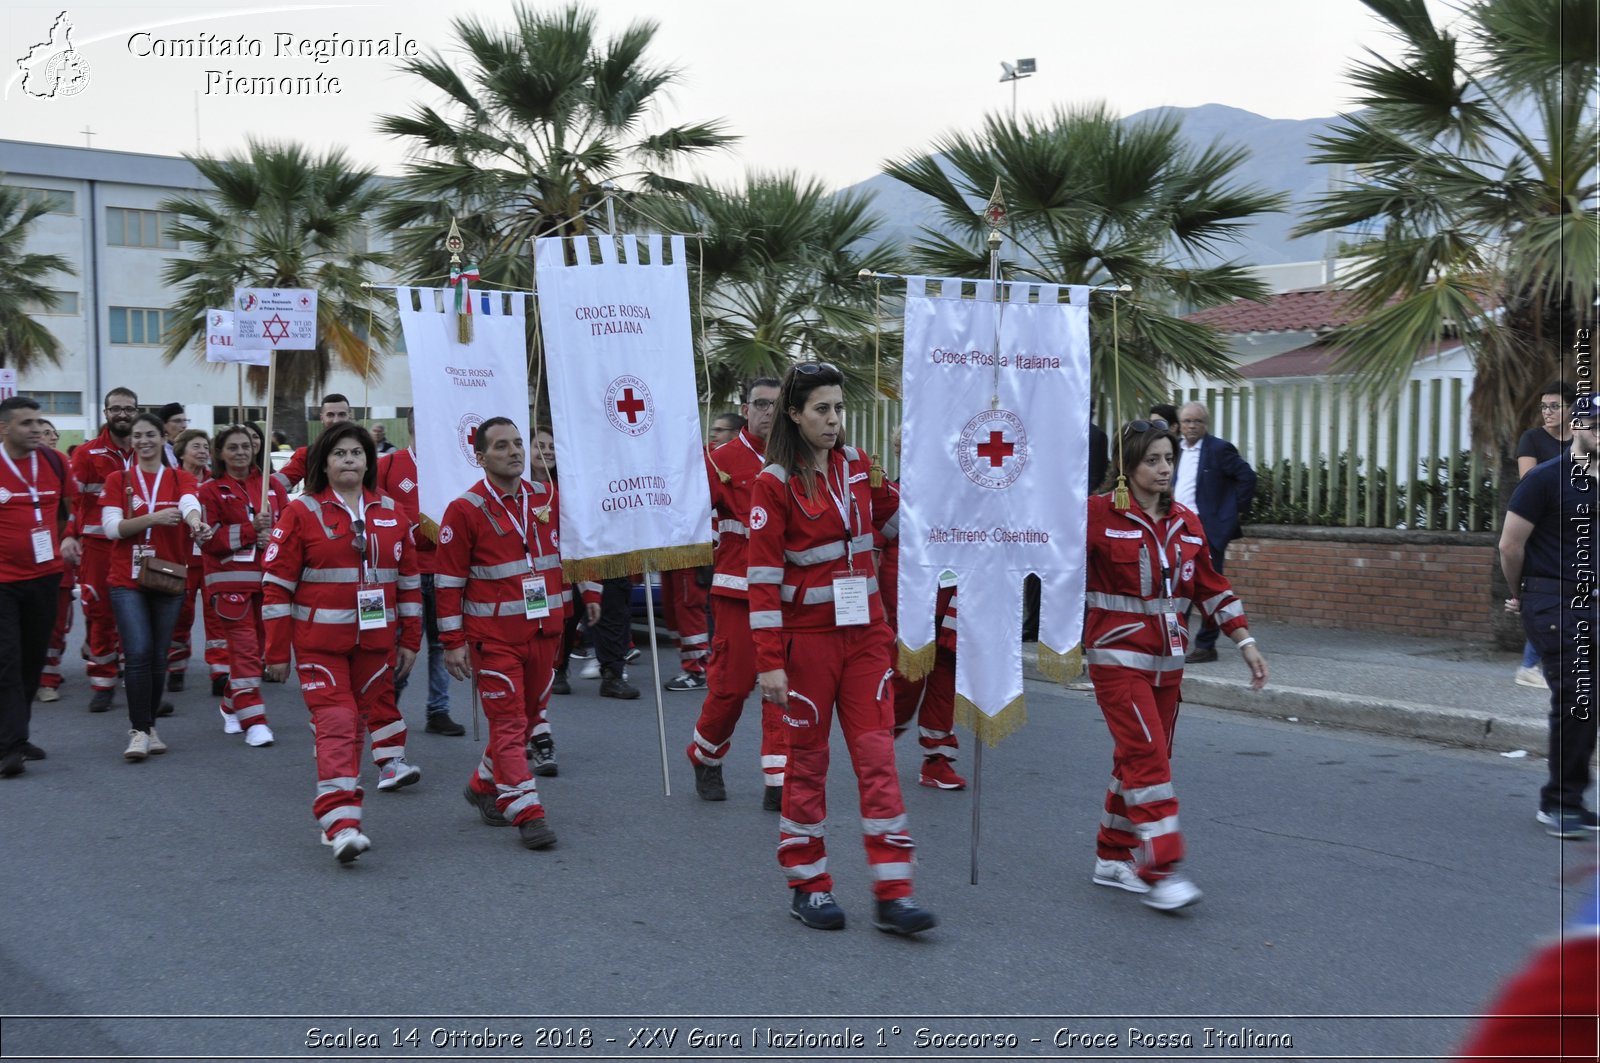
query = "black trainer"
{"x": 817, "y": 910}
{"x": 708, "y": 782}
{"x": 542, "y": 757}
{"x": 100, "y": 701}
{"x": 903, "y": 916}
{"x": 32, "y": 752}
{"x": 174, "y": 682}
{"x": 487, "y": 810}
{"x": 772, "y": 798}
{"x": 612, "y": 685}
{"x": 560, "y": 685}
{"x": 440, "y": 723}
{"x": 536, "y": 834}
{"x": 12, "y": 764}
{"x": 166, "y": 708}
{"x": 219, "y": 685}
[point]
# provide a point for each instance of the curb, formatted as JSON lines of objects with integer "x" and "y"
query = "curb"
{"x": 1465, "y": 728}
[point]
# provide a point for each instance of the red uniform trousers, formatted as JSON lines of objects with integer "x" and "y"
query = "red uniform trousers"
{"x": 683, "y": 603}
{"x": 849, "y": 667}
{"x": 1141, "y": 814}
{"x": 100, "y": 643}
{"x": 730, "y": 676}
{"x": 51, "y": 675}
{"x": 244, "y": 637}
{"x": 348, "y": 696}
{"x": 545, "y": 651}
{"x": 510, "y": 682}
{"x": 931, "y": 701}
{"x": 216, "y": 647}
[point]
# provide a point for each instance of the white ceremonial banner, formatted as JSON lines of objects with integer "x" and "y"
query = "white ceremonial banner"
{"x": 620, "y": 360}
{"x": 8, "y": 384}
{"x": 220, "y": 346}
{"x": 275, "y": 319}
{"x": 457, "y": 386}
{"x": 993, "y": 481}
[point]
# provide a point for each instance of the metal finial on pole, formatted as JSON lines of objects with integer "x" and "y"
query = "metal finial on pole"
{"x": 994, "y": 213}
{"x": 460, "y": 280}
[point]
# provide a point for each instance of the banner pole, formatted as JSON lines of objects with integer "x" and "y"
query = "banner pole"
{"x": 266, "y": 443}
{"x": 655, "y": 666}
{"x": 238, "y": 411}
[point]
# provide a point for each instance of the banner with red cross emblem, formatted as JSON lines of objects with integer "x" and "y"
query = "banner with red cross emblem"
{"x": 620, "y": 360}
{"x": 993, "y": 483}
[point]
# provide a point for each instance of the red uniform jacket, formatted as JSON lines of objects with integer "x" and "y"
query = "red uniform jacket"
{"x": 313, "y": 573}
{"x": 1128, "y": 608}
{"x": 799, "y": 544}
{"x": 92, "y": 464}
{"x": 233, "y": 564}
{"x": 292, "y": 473}
{"x": 397, "y": 478}
{"x": 742, "y": 458}
{"x": 35, "y": 474}
{"x": 171, "y": 542}
{"x": 483, "y": 559}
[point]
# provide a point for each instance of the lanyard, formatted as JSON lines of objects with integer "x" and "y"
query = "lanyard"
{"x": 529, "y": 546}
{"x": 150, "y": 493}
{"x": 748, "y": 447}
{"x": 846, "y": 508}
{"x": 369, "y": 534}
{"x": 244, "y": 490}
{"x": 33, "y": 488}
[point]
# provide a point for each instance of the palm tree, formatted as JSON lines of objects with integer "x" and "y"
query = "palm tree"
{"x": 1095, "y": 200}
{"x": 537, "y": 121}
{"x": 1473, "y": 200}
{"x": 279, "y": 217}
{"x": 776, "y": 279}
{"x": 24, "y": 343}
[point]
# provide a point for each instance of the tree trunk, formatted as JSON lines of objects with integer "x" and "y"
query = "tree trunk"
{"x": 1508, "y": 633}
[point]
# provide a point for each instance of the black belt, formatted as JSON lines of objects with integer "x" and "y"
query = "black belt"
{"x": 1565, "y": 587}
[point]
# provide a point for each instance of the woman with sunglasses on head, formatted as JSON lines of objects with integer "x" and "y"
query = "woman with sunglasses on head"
{"x": 149, "y": 512}
{"x": 821, "y": 641}
{"x": 240, "y": 527}
{"x": 1146, "y": 562}
{"x": 341, "y": 589}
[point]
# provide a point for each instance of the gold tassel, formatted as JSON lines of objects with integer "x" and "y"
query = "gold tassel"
{"x": 724, "y": 477}
{"x": 1120, "y": 498}
{"x": 543, "y": 513}
{"x": 916, "y": 663}
{"x": 665, "y": 559}
{"x": 875, "y": 474}
{"x": 429, "y": 527}
{"x": 1061, "y": 667}
{"x": 464, "y": 327}
{"x": 991, "y": 729}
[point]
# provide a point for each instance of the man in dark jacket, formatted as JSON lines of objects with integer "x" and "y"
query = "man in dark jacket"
{"x": 1214, "y": 481}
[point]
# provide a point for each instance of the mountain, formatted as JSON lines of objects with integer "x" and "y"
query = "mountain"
{"x": 1279, "y": 148}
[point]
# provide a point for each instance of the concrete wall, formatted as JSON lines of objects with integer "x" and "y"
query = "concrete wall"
{"x": 1417, "y": 583}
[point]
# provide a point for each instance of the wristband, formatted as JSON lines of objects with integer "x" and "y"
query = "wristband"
{"x": 1242, "y": 643}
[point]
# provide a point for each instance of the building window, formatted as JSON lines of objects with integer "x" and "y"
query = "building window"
{"x": 224, "y": 415}
{"x": 126, "y": 227}
{"x": 66, "y": 403}
{"x": 137, "y": 326}
{"x": 55, "y": 200}
{"x": 66, "y": 306}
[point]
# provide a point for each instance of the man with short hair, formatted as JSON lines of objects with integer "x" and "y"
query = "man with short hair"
{"x": 335, "y": 410}
{"x": 177, "y": 423}
{"x": 380, "y": 437}
{"x": 724, "y": 428}
{"x": 731, "y": 670}
{"x": 35, "y": 492}
{"x": 50, "y": 677}
{"x": 1214, "y": 481}
{"x": 92, "y": 464}
{"x": 502, "y": 607}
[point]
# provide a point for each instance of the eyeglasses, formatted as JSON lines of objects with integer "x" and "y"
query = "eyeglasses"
{"x": 1551, "y": 407}
{"x": 763, "y": 404}
{"x": 813, "y": 368}
{"x": 359, "y": 541}
{"x": 1141, "y": 426}
{"x": 122, "y": 409}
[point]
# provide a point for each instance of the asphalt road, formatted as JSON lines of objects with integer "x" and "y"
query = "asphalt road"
{"x": 1359, "y": 892}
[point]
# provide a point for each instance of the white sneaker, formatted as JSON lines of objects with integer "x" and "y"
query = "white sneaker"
{"x": 1171, "y": 893}
{"x": 258, "y": 735}
{"x": 591, "y": 669}
{"x": 49, "y": 694}
{"x": 138, "y": 746}
{"x": 397, "y": 773}
{"x": 230, "y": 723}
{"x": 348, "y": 844}
{"x": 1531, "y": 677}
{"x": 1120, "y": 874}
{"x": 156, "y": 744}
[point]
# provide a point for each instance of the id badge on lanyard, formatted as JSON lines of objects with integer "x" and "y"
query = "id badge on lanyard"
{"x": 370, "y": 614}
{"x": 44, "y": 547}
{"x": 1170, "y": 618}
{"x": 852, "y": 599}
{"x": 535, "y": 600}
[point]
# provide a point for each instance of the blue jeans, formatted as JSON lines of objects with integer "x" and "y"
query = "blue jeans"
{"x": 438, "y": 677}
{"x": 1530, "y": 656}
{"x": 144, "y": 623}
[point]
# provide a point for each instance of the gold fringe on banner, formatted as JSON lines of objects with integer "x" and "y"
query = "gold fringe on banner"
{"x": 663, "y": 559}
{"x": 991, "y": 729}
{"x": 429, "y": 527}
{"x": 914, "y": 664}
{"x": 1061, "y": 667}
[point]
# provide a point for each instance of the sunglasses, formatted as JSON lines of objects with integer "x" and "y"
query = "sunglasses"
{"x": 1139, "y": 427}
{"x": 359, "y": 541}
{"x": 813, "y": 368}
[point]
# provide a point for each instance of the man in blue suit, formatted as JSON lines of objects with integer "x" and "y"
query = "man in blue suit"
{"x": 1214, "y": 481}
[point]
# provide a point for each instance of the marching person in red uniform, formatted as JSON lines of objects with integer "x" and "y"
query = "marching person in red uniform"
{"x": 502, "y": 612}
{"x": 683, "y": 607}
{"x": 232, "y": 590}
{"x": 50, "y": 678}
{"x": 340, "y": 572}
{"x": 148, "y": 512}
{"x": 192, "y": 449}
{"x": 731, "y": 670}
{"x": 1146, "y": 564}
{"x": 92, "y": 464}
{"x": 817, "y": 621}
{"x": 335, "y": 410}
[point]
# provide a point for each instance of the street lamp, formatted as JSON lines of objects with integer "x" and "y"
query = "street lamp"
{"x": 1015, "y": 72}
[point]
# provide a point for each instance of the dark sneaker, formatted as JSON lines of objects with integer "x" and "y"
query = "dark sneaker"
{"x": 613, "y": 685}
{"x": 772, "y": 798}
{"x": 1568, "y": 823}
{"x": 560, "y": 684}
{"x": 12, "y": 764}
{"x": 100, "y": 700}
{"x": 440, "y": 723}
{"x": 488, "y": 811}
{"x": 708, "y": 782}
{"x": 686, "y": 681}
{"x": 542, "y": 758}
{"x": 166, "y": 708}
{"x": 903, "y": 916}
{"x": 174, "y": 682}
{"x": 31, "y": 752}
{"x": 1201, "y": 656}
{"x": 536, "y": 834}
{"x": 219, "y": 685}
{"x": 633, "y": 655}
{"x": 817, "y": 910}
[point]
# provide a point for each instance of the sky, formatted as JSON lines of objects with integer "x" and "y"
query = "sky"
{"x": 828, "y": 88}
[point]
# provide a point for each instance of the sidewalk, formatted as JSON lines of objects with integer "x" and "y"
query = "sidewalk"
{"x": 1446, "y": 690}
